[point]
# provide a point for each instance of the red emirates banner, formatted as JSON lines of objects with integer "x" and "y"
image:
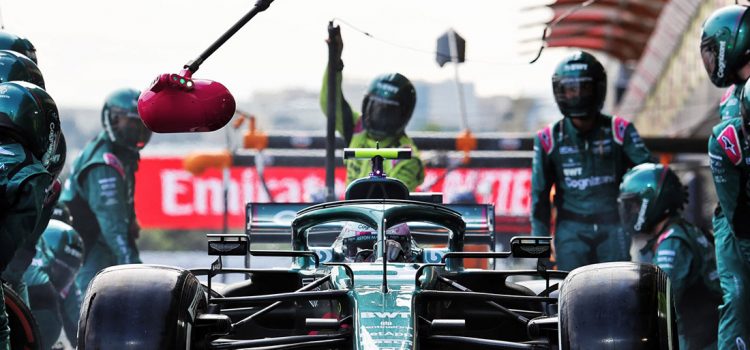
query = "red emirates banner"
{"x": 169, "y": 197}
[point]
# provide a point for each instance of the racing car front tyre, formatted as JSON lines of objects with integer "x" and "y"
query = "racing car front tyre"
{"x": 140, "y": 307}
{"x": 619, "y": 305}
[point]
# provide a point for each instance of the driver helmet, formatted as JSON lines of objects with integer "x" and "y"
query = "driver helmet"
{"x": 725, "y": 44}
{"x": 360, "y": 241}
{"x": 18, "y": 44}
{"x": 388, "y": 105}
{"x": 648, "y": 193}
{"x": 62, "y": 251}
{"x": 579, "y": 85}
{"x": 122, "y": 122}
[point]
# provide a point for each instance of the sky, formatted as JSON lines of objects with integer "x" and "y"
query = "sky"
{"x": 88, "y": 48}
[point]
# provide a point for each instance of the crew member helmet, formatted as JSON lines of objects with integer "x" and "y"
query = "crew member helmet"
{"x": 9, "y": 41}
{"x": 388, "y": 105}
{"x": 15, "y": 66}
{"x": 121, "y": 121}
{"x": 579, "y": 85}
{"x": 648, "y": 193}
{"x": 29, "y": 115}
{"x": 62, "y": 249}
{"x": 725, "y": 44}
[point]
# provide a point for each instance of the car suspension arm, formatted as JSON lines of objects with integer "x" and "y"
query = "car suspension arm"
{"x": 290, "y": 342}
{"x": 505, "y": 310}
{"x": 269, "y": 308}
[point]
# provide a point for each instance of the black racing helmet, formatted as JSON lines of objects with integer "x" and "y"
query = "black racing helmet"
{"x": 725, "y": 44}
{"x": 579, "y": 85}
{"x": 130, "y": 132}
{"x": 15, "y": 66}
{"x": 29, "y": 115}
{"x": 388, "y": 105}
{"x": 18, "y": 44}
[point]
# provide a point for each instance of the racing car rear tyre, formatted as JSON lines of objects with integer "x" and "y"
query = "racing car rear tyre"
{"x": 24, "y": 332}
{"x": 140, "y": 307}
{"x": 620, "y": 305}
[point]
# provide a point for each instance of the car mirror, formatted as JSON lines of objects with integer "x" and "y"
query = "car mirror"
{"x": 531, "y": 247}
{"x": 227, "y": 245}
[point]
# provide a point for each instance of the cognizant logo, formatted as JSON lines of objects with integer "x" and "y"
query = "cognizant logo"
{"x": 722, "y": 64}
{"x": 641, "y": 215}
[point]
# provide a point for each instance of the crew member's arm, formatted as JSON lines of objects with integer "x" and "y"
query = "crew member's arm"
{"x": 728, "y": 188}
{"x": 635, "y": 150}
{"x": 347, "y": 120}
{"x": 542, "y": 178}
{"x": 106, "y": 193}
{"x": 25, "y": 219}
{"x": 674, "y": 257}
{"x": 25, "y": 253}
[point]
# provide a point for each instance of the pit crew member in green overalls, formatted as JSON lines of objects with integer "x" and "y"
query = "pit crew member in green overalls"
{"x": 100, "y": 190}
{"x": 17, "y": 67}
{"x": 29, "y": 134}
{"x": 725, "y": 51}
{"x": 650, "y": 202}
{"x": 54, "y": 299}
{"x": 386, "y": 110}
{"x": 584, "y": 156}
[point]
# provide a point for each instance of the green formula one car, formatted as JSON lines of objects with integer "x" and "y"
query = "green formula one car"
{"x": 383, "y": 269}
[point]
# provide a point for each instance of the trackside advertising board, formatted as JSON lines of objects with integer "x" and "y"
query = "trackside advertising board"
{"x": 169, "y": 197}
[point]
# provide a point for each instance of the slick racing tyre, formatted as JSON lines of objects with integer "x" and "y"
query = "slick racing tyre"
{"x": 24, "y": 333}
{"x": 618, "y": 305}
{"x": 145, "y": 307}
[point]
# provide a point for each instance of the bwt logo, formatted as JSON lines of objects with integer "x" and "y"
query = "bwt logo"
{"x": 573, "y": 171}
{"x": 387, "y": 87}
{"x": 576, "y": 66}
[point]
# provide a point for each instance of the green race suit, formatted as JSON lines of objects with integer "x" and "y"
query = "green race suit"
{"x": 55, "y": 307}
{"x": 729, "y": 106}
{"x": 586, "y": 170}
{"x": 349, "y": 125}
{"x": 686, "y": 254}
{"x": 99, "y": 194}
{"x": 23, "y": 184}
{"x": 728, "y": 151}
{"x": 13, "y": 273}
